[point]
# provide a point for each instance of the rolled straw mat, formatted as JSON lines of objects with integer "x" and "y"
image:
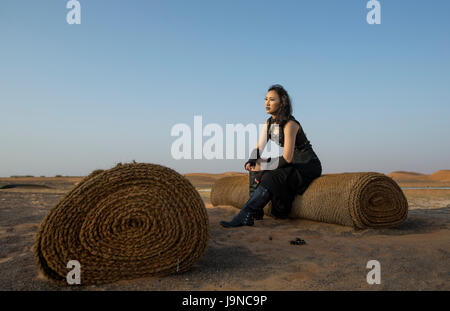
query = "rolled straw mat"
{"x": 131, "y": 221}
{"x": 362, "y": 200}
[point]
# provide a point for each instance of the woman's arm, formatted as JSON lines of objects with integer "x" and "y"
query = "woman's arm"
{"x": 262, "y": 138}
{"x": 290, "y": 132}
{"x": 253, "y": 164}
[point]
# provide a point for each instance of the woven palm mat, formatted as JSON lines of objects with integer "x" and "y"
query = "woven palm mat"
{"x": 131, "y": 221}
{"x": 362, "y": 200}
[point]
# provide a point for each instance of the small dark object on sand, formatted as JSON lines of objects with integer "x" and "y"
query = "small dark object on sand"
{"x": 298, "y": 241}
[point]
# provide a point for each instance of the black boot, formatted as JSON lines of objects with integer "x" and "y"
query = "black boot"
{"x": 252, "y": 187}
{"x": 255, "y": 204}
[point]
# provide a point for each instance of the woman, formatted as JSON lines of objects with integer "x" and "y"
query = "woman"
{"x": 292, "y": 173}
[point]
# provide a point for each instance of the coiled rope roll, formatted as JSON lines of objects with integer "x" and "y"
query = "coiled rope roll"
{"x": 131, "y": 221}
{"x": 362, "y": 200}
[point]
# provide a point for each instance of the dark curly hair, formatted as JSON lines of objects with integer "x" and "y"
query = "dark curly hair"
{"x": 285, "y": 111}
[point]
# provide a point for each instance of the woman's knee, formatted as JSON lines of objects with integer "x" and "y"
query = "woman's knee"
{"x": 271, "y": 177}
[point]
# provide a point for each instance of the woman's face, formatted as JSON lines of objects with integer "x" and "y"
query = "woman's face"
{"x": 272, "y": 102}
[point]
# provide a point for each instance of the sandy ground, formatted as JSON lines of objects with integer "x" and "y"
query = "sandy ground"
{"x": 414, "y": 256}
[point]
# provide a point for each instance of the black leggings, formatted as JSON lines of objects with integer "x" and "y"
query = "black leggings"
{"x": 284, "y": 183}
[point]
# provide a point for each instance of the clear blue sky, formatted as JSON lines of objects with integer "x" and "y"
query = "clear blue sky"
{"x": 74, "y": 98}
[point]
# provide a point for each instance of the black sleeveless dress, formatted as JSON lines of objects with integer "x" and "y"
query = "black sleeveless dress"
{"x": 286, "y": 182}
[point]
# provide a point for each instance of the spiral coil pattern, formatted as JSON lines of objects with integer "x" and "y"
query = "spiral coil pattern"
{"x": 361, "y": 200}
{"x": 131, "y": 221}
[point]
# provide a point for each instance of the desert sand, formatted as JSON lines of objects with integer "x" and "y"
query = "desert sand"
{"x": 413, "y": 256}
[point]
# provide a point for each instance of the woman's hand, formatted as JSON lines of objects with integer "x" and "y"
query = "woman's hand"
{"x": 256, "y": 168}
{"x": 248, "y": 167}
{"x": 262, "y": 141}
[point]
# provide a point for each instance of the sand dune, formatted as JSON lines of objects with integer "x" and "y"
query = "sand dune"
{"x": 403, "y": 175}
{"x": 205, "y": 180}
{"x": 441, "y": 176}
